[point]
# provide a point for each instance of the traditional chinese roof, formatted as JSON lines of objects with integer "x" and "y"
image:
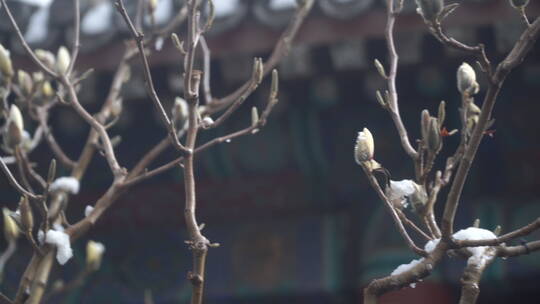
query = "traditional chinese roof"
{"x": 255, "y": 23}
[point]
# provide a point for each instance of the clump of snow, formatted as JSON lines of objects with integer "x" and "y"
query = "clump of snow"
{"x": 88, "y": 210}
{"x": 475, "y": 234}
{"x": 58, "y": 227}
{"x": 207, "y": 121}
{"x": 399, "y": 190}
{"x": 402, "y": 188}
{"x": 63, "y": 247}
{"x": 406, "y": 267}
{"x": 430, "y": 246}
{"x": 67, "y": 184}
{"x": 477, "y": 253}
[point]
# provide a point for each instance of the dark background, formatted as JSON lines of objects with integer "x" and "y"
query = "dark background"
{"x": 294, "y": 214}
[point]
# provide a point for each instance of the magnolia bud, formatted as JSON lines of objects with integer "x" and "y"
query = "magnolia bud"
{"x": 27, "y": 219}
{"x": 441, "y": 114}
{"x": 466, "y": 79}
{"x": 62, "y": 60}
{"x": 6, "y": 66}
{"x": 254, "y": 116}
{"x": 94, "y": 253}
{"x": 11, "y": 231}
{"x": 434, "y": 135}
{"x": 497, "y": 230}
{"x": 519, "y": 3}
{"x": 15, "y": 126}
{"x": 46, "y": 57}
{"x": 429, "y": 9}
{"x": 258, "y": 70}
{"x": 424, "y": 124}
{"x": 274, "y": 86}
{"x": 46, "y": 89}
{"x": 380, "y": 68}
{"x": 365, "y": 147}
{"x": 180, "y": 112}
{"x": 25, "y": 82}
{"x": 116, "y": 107}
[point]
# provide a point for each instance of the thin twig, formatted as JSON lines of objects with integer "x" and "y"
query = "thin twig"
{"x": 523, "y": 231}
{"x": 76, "y": 39}
{"x": 516, "y": 56}
{"x": 25, "y": 45}
{"x": 525, "y": 248}
{"x": 281, "y": 49}
{"x": 139, "y": 39}
{"x": 397, "y": 221}
{"x": 206, "y": 71}
{"x": 59, "y": 153}
{"x": 393, "y": 106}
{"x": 14, "y": 182}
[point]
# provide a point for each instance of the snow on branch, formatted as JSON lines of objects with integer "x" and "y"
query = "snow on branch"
{"x": 67, "y": 183}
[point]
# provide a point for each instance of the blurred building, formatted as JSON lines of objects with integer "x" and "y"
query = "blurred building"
{"x": 295, "y": 216}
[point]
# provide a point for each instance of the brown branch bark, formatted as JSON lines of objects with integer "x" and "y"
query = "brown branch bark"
{"x": 14, "y": 183}
{"x": 380, "y": 286}
{"x": 510, "y": 251}
{"x": 472, "y": 274}
{"x": 395, "y": 217}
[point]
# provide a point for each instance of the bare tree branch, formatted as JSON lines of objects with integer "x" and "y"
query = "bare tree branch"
{"x": 470, "y": 280}
{"x": 13, "y": 181}
{"x": 516, "y": 56}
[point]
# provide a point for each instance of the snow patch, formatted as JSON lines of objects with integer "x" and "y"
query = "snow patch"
{"x": 430, "y": 246}
{"x": 63, "y": 247}
{"x": 67, "y": 184}
{"x": 88, "y": 210}
{"x": 475, "y": 234}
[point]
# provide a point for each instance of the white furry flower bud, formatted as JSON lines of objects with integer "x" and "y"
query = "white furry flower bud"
{"x": 94, "y": 254}
{"x": 11, "y": 231}
{"x": 62, "y": 60}
{"x": 15, "y": 116}
{"x": 25, "y": 82}
{"x": 15, "y": 127}
{"x": 46, "y": 58}
{"x": 46, "y": 89}
{"x": 466, "y": 79}
{"x": 365, "y": 146}
{"x": 6, "y": 66}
